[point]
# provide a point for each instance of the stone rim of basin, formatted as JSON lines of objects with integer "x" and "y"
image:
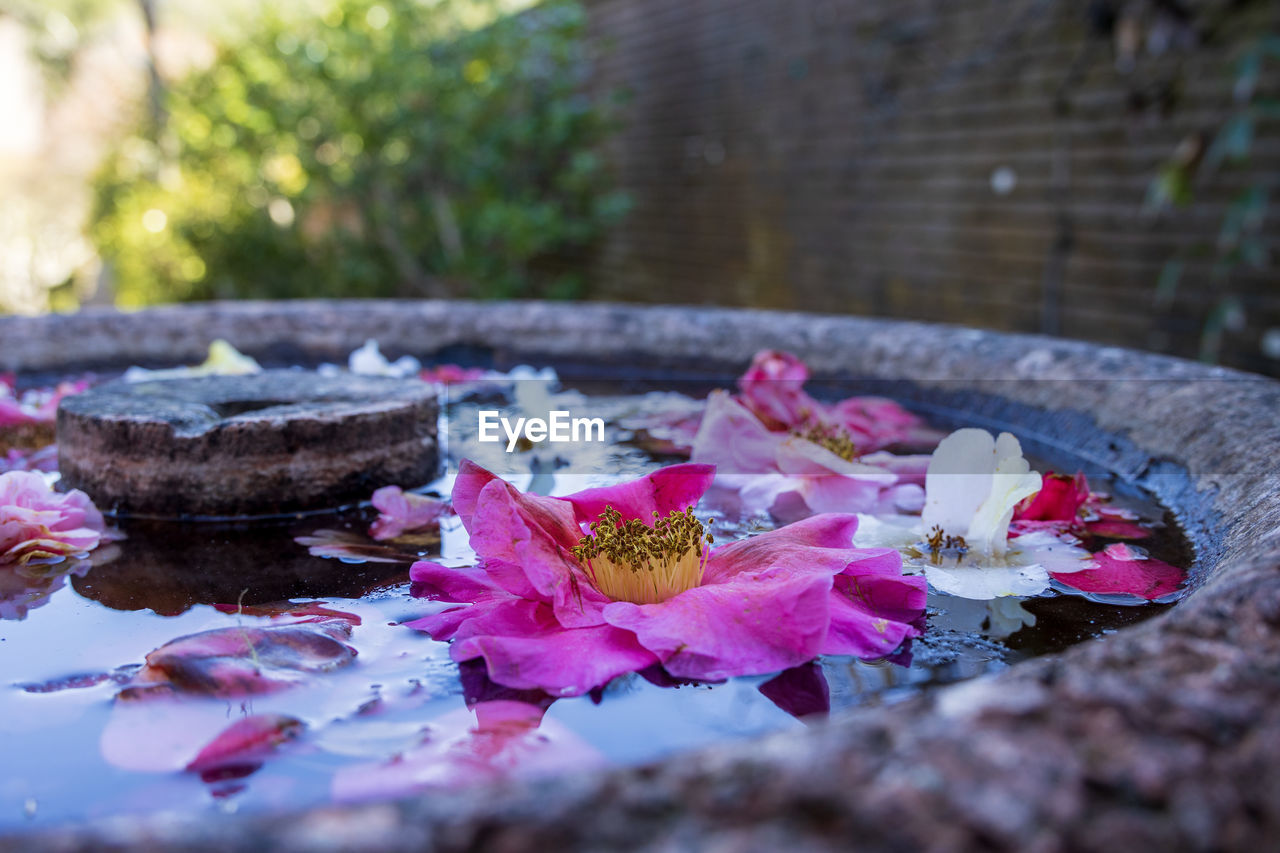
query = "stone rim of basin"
{"x": 281, "y": 441}
{"x": 1163, "y": 735}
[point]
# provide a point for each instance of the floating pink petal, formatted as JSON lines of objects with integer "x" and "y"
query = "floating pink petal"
{"x": 1060, "y": 499}
{"x": 1126, "y": 570}
{"x": 235, "y": 662}
{"x": 403, "y": 512}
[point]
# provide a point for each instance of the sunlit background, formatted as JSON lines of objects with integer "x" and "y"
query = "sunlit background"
{"x": 1100, "y": 170}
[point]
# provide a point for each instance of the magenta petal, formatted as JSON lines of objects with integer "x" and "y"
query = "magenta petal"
{"x": 757, "y": 623}
{"x": 472, "y": 589}
{"x": 247, "y": 740}
{"x": 562, "y": 661}
{"x": 873, "y": 606}
{"x": 503, "y": 532}
{"x": 1059, "y": 499}
{"x": 443, "y": 583}
{"x": 667, "y": 490}
{"x": 773, "y": 390}
{"x": 734, "y": 440}
{"x": 467, "y": 486}
{"x": 1121, "y": 570}
{"x": 536, "y": 566}
{"x": 863, "y": 612}
{"x": 552, "y": 514}
{"x": 821, "y": 543}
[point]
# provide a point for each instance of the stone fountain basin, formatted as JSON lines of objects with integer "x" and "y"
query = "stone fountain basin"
{"x": 1165, "y": 735}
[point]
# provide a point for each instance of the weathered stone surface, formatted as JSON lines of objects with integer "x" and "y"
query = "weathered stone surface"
{"x": 1163, "y": 736}
{"x": 280, "y": 441}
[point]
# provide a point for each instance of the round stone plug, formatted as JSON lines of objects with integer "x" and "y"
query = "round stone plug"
{"x": 281, "y": 441}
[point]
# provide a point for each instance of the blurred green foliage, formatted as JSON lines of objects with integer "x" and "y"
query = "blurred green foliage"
{"x": 379, "y": 148}
{"x": 1241, "y": 241}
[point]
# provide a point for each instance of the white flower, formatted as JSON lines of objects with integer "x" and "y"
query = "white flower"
{"x": 972, "y": 485}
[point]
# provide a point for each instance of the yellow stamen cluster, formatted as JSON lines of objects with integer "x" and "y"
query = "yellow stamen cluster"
{"x": 633, "y": 561}
{"x": 939, "y": 542}
{"x": 832, "y": 438}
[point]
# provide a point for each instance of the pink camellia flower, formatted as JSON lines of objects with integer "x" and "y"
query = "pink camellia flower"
{"x": 773, "y": 390}
{"x": 794, "y": 474}
{"x": 555, "y": 607}
{"x": 401, "y": 512}
{"x": 37, "y": 523}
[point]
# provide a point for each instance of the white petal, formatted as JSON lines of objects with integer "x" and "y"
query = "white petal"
{"x": 958, "y": 480}
{"x": 1011, "y": 481}
{"x": 987, "y": 582}
{"x": 1052, "y": 553}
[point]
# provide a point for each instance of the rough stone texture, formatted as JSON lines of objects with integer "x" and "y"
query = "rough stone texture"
{"x": 1163, "y": 736}
{"x": 280, "y": 441}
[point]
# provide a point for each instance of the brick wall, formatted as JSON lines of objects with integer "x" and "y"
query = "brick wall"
{"x": 963, "y": 161}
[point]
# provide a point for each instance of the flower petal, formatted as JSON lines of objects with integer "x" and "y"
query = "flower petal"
{"x": 773, "y": 390}
{"x": 734, "y": 440}
{"x": 874, "y": 607}
{"x": 562, "y": 661}
{"x": 667, "y": 490}
{"x": 757, "y": 623}
{"x": 1122, "y": 569}
{"x": 987, "y": 582}
{"x": 1059, "y": 499}
{"x": 820, "y": 544}
{"x": 401, "y": 511}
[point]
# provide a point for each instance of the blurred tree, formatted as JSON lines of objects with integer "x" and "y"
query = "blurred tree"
{"x": 379, "y": 149}
{"x": 1241, "y": 241}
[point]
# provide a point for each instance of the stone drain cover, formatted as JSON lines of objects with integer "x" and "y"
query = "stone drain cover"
{"x": 276, "y": 442}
